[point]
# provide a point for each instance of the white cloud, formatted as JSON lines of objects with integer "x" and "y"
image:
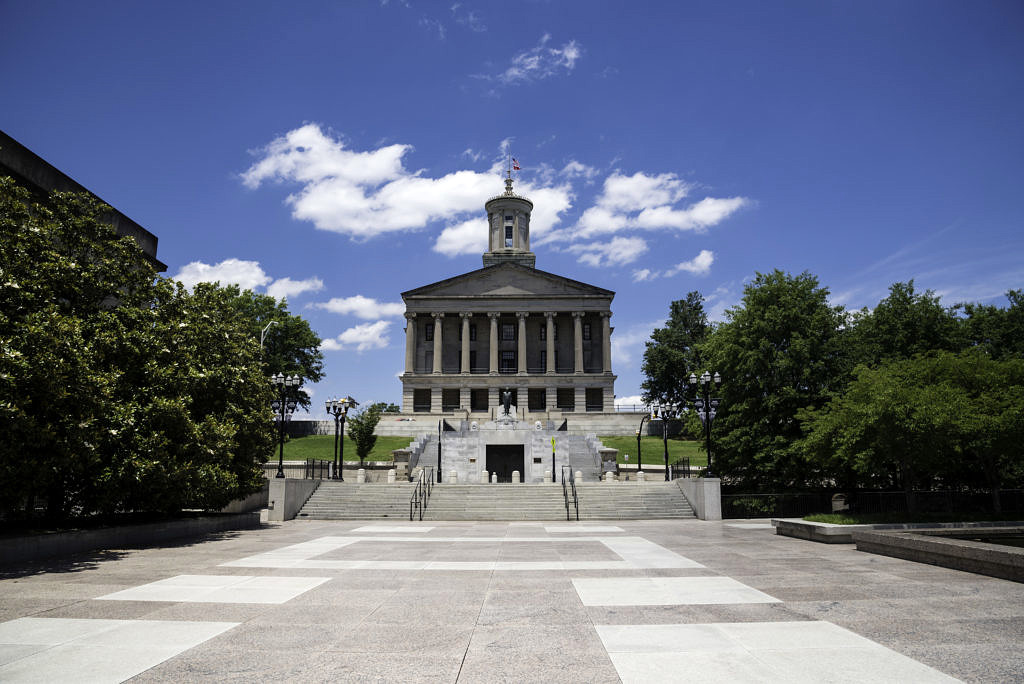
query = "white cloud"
{"x": 432, "y": 24}
{"x": 643, "y": 274}
{"x": 650, "y": 202}
{"x": 468, "y": 237}
{"x": 621, "y": 250}
{"x": 248, "y": 275}
{"x": 698, "y": 265}
{"x": 361, "y": 307}
{"x": 468, "y": 18}
{"x": 367, "y": 194}
{"x": 631, "y": 400}
{"x": 283, "y": 288}
{"x": 576, "y": 169}
{"x": 363, "y": 337}
{"x": 541, "y": 61}
{"x": 627, "y": 343}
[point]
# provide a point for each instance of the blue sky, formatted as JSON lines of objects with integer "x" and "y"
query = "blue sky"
{"x": 340, "y": 153}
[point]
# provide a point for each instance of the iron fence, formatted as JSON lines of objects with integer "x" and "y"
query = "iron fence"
{"x": 799, "y": 504}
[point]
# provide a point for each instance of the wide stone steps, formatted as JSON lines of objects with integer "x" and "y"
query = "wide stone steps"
{"x": 597, "y": 501}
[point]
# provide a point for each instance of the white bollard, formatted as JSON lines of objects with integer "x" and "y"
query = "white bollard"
{"x": 453, "y": 477}
{"x": 392, "y": 476}
{"x": 484, "y": 478}
{"x": 494, "y": 478}
{"x": 640, "y": 476}
{"x": 515, "y": 477}
{"x": 609, "y": 476}
{"x": 361, "y": 476}
{"x": 547, "y": 477}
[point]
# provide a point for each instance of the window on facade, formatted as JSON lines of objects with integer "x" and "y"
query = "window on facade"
{"x": 543, "y": 332}
{"x": 472, "y": 332}
{"x": 537, "y": 399}
{"x": 449, "y": 399}
{"x": 556, "y": 331}
{"x": 508, "y": 236}
{"x": 566, "y": 398}
{"x": 478, "y": 400}
{"x": 595, "y": 399}
{"x": 428, "y": 332}
{"x": 544, "y": 359}
{"x": 421, "y": 400}
{"x": 472, "y": 359}
{"x": 508, "y": 362}
{"x": 508, "y": 331}
{"x": 586, "y": 331}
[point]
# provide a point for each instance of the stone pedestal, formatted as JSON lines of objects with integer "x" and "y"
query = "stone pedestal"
{"x": 484, "y": 478}
{"x": 392, "y": 476}
{"x": 515, "y": 477}
{"x": 361, "y": 476}
{"x": 578, "y": 476}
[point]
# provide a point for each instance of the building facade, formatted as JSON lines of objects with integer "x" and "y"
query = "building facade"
{"x": 508, "y": 327}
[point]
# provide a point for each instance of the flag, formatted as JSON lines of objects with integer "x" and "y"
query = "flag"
{"x": 515, "y": 164}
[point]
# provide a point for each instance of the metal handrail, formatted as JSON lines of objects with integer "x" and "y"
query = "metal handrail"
{"x": 565, "y": 493}
{"x": 421, "y": 493}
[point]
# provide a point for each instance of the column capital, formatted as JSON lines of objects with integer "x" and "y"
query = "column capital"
{"x": 550, "y": 314}
{"x": 606, "y": 314}
{"x": 578, "y": 314}
{"x": 410, "y": 316}
{"x": 522, "y": 314}
{"x": 436, "y": 314}
{"x": 493, "y": 315}
{"x": 465, "y": 314}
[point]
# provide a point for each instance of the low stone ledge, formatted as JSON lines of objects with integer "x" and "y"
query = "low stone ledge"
{"x": 830, "y": 533}
{"x": 42, "y": 546}
{"x": 940, "y": 547}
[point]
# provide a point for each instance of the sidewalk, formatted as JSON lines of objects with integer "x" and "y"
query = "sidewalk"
{"x": 635, "y": 601}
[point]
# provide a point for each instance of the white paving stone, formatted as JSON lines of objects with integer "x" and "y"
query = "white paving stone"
{"x": 634, "y": 552}
{"x": 393, "y": 528}
{"x": 751, "y": 526}
{"x": 219, "y": 589}
{"x": 780, "y": 652}
{"x": 561, "y": 529}
{"x": 79, "y": 650}
{"x": 666, "y": 591}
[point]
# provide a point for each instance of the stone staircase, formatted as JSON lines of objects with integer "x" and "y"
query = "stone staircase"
{"x": 597, "y": 501}
{"x": 351, "y": 501}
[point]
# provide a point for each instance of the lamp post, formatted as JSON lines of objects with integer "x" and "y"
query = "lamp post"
{"x": 640, "y": 433}
{"x": 707, "y": 406}
{"x": 284, "y": 406}
{"x": 339, "y": 409}
{"x": 667, "y": 411}
{"x": 439, "y": 451}
{"x": 263, "y": 334}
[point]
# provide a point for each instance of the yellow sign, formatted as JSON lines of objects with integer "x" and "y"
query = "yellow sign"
{"x": 552, "y": 443}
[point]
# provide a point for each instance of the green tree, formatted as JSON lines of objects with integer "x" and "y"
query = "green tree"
{"x": 673, "y": 351}
{"x": 999, "y": 331}
{"x": 289, "y": 345}
{"x": 906, "y": 323}
{"x": 943, "y": 417}
{"x": 361, "y": 427}
{"x": 118, "y": 390}
{"x": 780, "y": 351}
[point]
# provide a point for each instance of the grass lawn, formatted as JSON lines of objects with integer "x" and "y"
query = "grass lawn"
{"x": 322, "y": 447}
{"x": 653, "y": 450}
{"x": 882, "y": 518}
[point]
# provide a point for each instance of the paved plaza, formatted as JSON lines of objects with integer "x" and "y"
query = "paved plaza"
{"x": 637, "y": 601}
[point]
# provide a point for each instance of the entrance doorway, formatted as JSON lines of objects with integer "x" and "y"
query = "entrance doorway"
{"x": 502, "y": 459}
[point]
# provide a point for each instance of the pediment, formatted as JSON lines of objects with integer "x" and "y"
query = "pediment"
{"x": 509, "y": 280}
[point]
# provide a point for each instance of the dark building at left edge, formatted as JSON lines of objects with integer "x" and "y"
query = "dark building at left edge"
{"x": 41, "y": 178}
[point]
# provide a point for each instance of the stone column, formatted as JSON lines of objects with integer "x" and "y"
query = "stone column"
{"x": 438, "y": 348}
{"x": 580, "y": 400}
{"x": 550, "y": 336}
{"x": 550, "y": 398}
{"x": 465, "y": 342}
{"x": 521, "y": 352}
{"x": 493, "y": 341}
{"x": 577, "y": 341}
{"x": 410, "y": 343}
{"x": 606, "y": 341}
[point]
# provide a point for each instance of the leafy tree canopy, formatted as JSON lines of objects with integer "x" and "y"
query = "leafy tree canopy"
{"x": 361, "y": 427}
{"x": 780, "y": 351}
{"x": 998, "y": 331}
{"x": 673, "y": 353}
{"x": 119, "y": 390}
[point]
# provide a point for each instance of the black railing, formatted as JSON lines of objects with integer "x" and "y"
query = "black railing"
{"x": 317, "y": 469}
{"x": 680, "y": 468}
{"x": 421, "y": 493}
{"x": 870, "y": 502}
{"x": 566, "y": 488}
